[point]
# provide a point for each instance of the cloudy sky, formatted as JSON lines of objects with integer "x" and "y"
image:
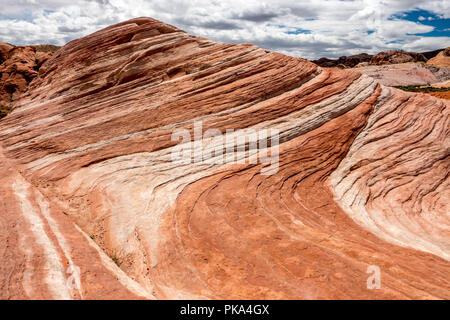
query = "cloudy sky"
{"x": 304, "y": 28}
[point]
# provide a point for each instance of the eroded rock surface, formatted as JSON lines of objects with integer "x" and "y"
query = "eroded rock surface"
{"x": 4, "y": 50}
{"x": 18, "y": 67}
{"x": 88, "y": 179}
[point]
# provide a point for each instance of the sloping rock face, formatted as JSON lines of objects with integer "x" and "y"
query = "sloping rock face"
{"x": 88, "y": 178}
{"x": 396, "y": 56}
{"x": 18, "y": 67}
{"x": 442, "y": 59}
{"x": 431, "y": 54}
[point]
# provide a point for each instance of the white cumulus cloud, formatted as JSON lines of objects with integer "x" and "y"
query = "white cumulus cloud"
{"x": 304, "y": 28}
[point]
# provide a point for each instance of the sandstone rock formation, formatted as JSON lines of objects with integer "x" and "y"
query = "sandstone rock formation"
{"x": 4, "y": 51}
{"x": 442, "y": 59}
{"x": 344, "y": 61}
{"x": 18, "y": 67}
{"x": 396, "y": 56}
{"x": 406, "y": 74}
{"x": 431, "y": 54}
{"x": 382, "y": 58}
{"x": 88, "y": 180}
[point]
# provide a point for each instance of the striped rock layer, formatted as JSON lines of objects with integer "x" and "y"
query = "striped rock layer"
{"x": 88, "y": 183}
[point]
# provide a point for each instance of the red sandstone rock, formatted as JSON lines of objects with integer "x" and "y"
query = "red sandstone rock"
{"x": 4, "y": 51}
{"x": 396, "y": 56}
{"x": 18, "y": 67}
{"x": 86, "y": 171}
{"x": 442, "y": 59}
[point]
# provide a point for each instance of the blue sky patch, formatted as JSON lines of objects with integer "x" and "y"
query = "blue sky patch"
{"x": 293, "y": 31}
{"x": 441, "y": 25}
{"x": 298, "y": 31}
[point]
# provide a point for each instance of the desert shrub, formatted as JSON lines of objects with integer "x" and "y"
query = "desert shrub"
{"x": 46, "y": 48}
{"x": 413, "y": 88}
